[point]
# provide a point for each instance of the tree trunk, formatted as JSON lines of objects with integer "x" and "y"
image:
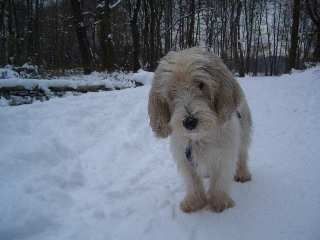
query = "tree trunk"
{"x": 105, "y": 36}
{"x": 294, "y": 36}
{"x": 146, "y": 38}
{"x": 314, "y": 13}
{"x": 269, "y": 44}
{"x": 152, "y": 34}
{"x": 135, "y": 37}
{"x": 241, "y": 58}
{"x": 190, "y": 37}
{"x": 84, "y": 47}
{"x": 316, "y": 53}
{"x": 234, "y": 29}
{"x": 168, "y": 23}
{"x": 36, "y": 34}
{"x": 3, "y": 50}
{"x": 249, "y": 17}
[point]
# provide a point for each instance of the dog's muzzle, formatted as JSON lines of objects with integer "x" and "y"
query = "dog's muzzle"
{"x": 190, "y": 122}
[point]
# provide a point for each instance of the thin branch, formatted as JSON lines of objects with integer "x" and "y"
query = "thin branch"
{"x": 183, "y": 17}
{"x": 114, "y": 5}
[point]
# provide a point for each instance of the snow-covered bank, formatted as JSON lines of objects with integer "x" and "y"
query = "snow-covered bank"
{"x": 109, "y": 80}
{"x": 16, "y": 91}
{"x": 88, "y": 167}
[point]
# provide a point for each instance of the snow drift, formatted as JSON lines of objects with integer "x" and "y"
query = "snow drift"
{"x": 89, "y": 167}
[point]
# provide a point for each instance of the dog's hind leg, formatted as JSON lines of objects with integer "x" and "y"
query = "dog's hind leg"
{"x": 242, "y": 172}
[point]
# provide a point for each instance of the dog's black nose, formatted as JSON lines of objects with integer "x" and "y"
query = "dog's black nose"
{"x": 190, "y": 123}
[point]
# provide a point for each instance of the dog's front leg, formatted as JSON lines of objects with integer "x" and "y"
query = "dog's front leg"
{"x": 195, "y": 198}
{"x": 221, "y": 178}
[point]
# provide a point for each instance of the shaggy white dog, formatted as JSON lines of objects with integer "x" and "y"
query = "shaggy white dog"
{"x": 196, "y": 101}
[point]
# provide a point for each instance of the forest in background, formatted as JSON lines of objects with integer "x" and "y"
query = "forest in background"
{"x": 264, "y": 36}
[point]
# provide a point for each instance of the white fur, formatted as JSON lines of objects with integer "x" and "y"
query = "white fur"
{"x": 221, "y": 139}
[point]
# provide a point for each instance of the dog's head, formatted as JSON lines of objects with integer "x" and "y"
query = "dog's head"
{"x": 192, "y": 92}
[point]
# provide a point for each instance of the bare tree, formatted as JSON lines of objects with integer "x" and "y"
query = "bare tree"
{"x": 250, "y": 36}
{"x": 313, "y": 8}
{"x": 292, "y": 61}
{"x": 133, "y": 8}
{"x": 191, "y": 22}
{"x": 84, "y": 47}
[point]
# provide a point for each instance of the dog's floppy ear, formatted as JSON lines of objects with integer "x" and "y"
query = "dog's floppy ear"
{"x": 159, "y": 114}
{"x": 226, "y": 93}
{"x": 227, "y": 97}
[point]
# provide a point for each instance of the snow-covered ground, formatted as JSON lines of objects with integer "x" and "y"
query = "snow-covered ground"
{"x": 73, "y": 84}
{"x": 109, "y": 80}
{"x": 88, "y": 167}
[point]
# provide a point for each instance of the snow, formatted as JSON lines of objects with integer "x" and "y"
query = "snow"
{"x": 89, "y": 167}
{"x": 3, "y": 102}
{"x": 45, "y": 84}
{"x": 143, "y": 77}
{"x": 30, "y": 66}
{"x": 7, "y": 73}
{"x": 109, "y": 80}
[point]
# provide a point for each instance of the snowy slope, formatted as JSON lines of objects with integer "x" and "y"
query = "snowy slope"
{"x": 109, "y": 80}
{"x": 89, "y": 168}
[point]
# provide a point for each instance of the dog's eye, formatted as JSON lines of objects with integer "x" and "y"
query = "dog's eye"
{"x": 200, "y": 86}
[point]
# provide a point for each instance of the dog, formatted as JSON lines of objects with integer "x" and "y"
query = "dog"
{"x": 195, "y": 100}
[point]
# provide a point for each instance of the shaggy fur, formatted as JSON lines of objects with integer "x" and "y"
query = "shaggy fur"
{"x": 195, "y": 83}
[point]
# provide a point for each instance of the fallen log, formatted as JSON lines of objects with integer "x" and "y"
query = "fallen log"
{"x": 17, "y": 95}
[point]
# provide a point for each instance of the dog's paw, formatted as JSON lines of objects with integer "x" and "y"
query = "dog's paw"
{"x": 193, "y": 203}
{"x": 242, "y": 176}
{"x": 220, "y": 201}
